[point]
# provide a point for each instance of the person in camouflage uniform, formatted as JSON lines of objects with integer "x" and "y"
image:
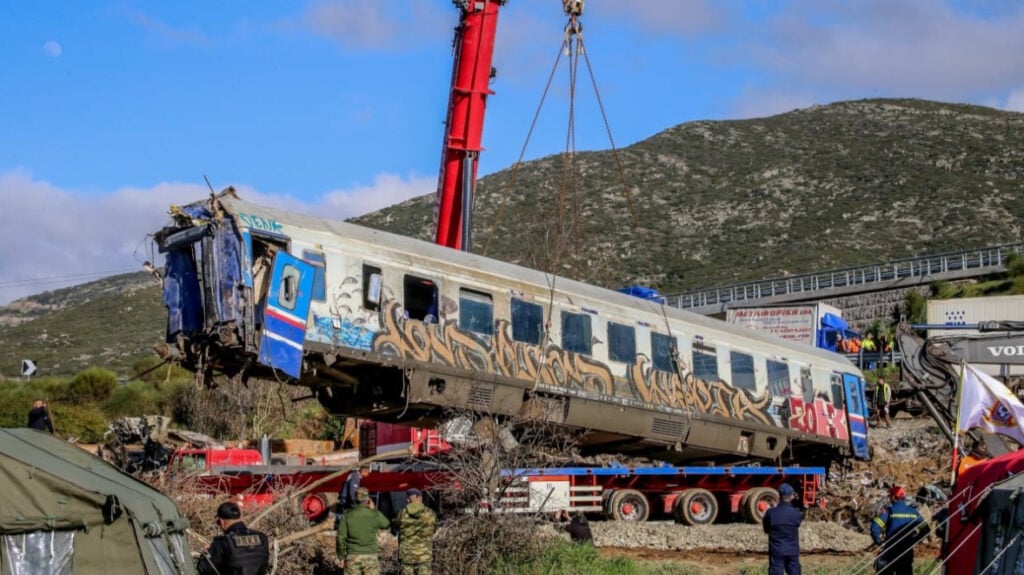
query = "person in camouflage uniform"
{"x": 416, "y": 524}
{"x": 357, "y": 536}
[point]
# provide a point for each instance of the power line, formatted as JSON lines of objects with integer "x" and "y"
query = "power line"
{"x": 59, "y": 279}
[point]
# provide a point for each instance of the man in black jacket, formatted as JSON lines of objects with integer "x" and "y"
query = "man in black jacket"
{"x": 239, "y": 551}
{"x": 782, "y": 524}
{"x": 39, "y": 417}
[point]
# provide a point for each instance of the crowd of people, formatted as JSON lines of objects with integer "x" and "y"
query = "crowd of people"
{"x": 870, "y": 343}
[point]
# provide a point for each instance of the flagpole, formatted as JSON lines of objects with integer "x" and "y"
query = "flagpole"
{"x": 956, "y": 428}
{"x": 956, "y": 444}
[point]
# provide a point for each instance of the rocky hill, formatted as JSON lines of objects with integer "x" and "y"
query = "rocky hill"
{"x": 698, "y": 205}
{"x": 720, "y": 202}
{"x": 111, "y": 323}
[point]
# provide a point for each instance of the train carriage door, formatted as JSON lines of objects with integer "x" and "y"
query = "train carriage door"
{"x": 856, "y": 415}
{"x": 286, "y": 312}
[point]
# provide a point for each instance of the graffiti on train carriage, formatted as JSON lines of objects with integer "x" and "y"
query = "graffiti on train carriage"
{"x": 390, "y": 332}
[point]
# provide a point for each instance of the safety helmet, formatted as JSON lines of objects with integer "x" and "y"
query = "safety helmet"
{"x": 897, "y": 492}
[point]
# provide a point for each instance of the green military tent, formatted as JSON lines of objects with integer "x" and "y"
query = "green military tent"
{"x": 64, "y": 511}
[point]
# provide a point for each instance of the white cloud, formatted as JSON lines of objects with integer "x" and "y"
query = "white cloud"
{"x": 1015, "y": 101}
{"x": 917, "y": 48}
{"x": 386, "y": 190}
{"x": 690, "y": 18}
{"x": 358, "y": 24}
{"x": 178, "y": 35}
{"x": 52, "y": 49}
{"x": 757, "y": 103}
{"x": 65, "y": 237}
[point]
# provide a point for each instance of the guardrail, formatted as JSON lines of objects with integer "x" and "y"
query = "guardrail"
{"x": 874, "y": 359}
{"x": 983, "y": 260}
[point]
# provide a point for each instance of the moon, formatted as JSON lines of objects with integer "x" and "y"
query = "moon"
{"x": 52, "y": 49}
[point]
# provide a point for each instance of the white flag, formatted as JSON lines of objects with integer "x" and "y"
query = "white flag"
{"x": 987, "y": 404}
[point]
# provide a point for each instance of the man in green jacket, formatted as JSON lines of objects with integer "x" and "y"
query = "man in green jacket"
{"x": 416, "y": 524}
{"x": 357, "y": 536}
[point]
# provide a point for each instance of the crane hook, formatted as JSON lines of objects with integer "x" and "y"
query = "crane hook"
{"x": 573, "y": 7}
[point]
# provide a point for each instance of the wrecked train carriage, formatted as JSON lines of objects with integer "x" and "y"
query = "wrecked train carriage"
{"x": 393, "y": 329}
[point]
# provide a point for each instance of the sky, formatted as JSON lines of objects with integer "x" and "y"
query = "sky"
{"x": 112, "y": 110}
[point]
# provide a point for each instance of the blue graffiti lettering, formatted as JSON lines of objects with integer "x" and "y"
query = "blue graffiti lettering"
{"x": 259, "y": 223}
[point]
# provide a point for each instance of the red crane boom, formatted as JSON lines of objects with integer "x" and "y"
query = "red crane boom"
{"x": 464, "y": 127}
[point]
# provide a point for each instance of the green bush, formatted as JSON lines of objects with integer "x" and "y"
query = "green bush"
{"x": 915, "y": 307}
{"x": 84, "y": 422}
{"x": 1015, "y": 265}
{"x": 16, "y": 398}
{"x": 133, "y": 400}
{"x": 94, "y": 384}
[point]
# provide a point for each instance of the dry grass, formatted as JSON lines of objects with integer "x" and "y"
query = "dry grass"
{"x": 312, "y": 553}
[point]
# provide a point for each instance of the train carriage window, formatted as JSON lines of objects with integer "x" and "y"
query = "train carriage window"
{"x": 527, "y": 322}
{"x": 705, "y": 362}
{"x": 742, "y": 370}
{"x": 319, "y": 263}
{"x": 576, "y": 334}
{"x": 662, "y": 353}
{"x": 289, "y": 294}
{"x": 420, "y": 298}
{"x": 838, "y": 397}
{"x": 778, "y": 379}
{"x": 621, "y": 343}
{"x": 372, "y": 284}
{"x": 476, "y": 311}
{"x": 807, "y": 384}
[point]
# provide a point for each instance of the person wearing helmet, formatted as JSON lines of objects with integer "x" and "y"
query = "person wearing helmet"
{"x": 897, "y": 529}
{"x": 782, "y": 524}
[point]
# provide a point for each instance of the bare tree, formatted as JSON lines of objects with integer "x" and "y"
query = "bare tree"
{"x": 489, "y": 515}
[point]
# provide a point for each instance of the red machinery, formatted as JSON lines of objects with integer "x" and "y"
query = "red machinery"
{"x": 471, "y": 74}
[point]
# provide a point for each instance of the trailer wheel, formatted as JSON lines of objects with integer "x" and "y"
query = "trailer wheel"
{"x": 757, "y": 501}
{"x": 695, "y": 507}
{"x": 628, "y": 505}
{"x": 315, "y": 507}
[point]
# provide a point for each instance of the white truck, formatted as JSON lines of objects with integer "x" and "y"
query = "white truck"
{"x": 956, "y": 320}
{"x": 816, "y": 324}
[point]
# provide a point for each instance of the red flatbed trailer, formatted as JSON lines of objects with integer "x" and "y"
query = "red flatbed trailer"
{"x": 691, "y": 495}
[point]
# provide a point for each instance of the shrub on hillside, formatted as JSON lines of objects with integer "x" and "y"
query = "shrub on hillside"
{"x": 94, "y": 384}
{"x": 16, "y": 398}
{"x": 153, "y": 370}
{"x": 84, "y": 422}
{"x": 1015, "y": 265}
{"x": 134, "y": 399}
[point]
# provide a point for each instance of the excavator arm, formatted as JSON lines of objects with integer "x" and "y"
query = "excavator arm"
{"x": 930, "y": 377}
{"x": 931, "y": 367}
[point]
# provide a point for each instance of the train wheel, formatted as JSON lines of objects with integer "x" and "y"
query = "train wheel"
{"x": 629, "y": 505}
{"x": 695, "y": 507}
{"x": 757, "y": 501}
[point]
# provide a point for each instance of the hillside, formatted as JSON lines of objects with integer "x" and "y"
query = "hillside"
{"x": 112, "y": 323}
{"x": 721, "y": 202}
{"x": 715, "y": 202}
